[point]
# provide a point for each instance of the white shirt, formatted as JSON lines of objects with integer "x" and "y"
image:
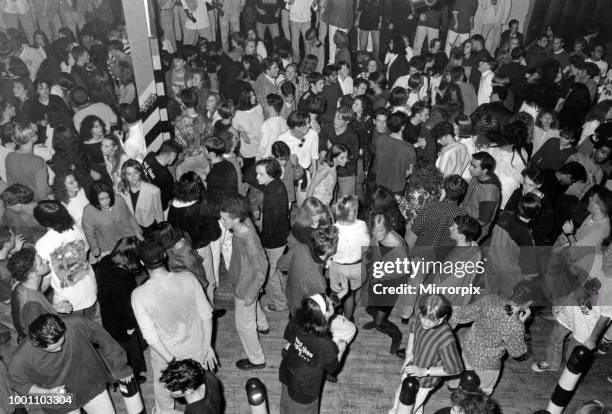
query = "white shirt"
{"x": 52, "y": 247}
{"x": 486, "y": 87}
{"x": 346, "y": 85}
{"x": 352, "y": 238}
{"x": 308, "y": 152}
{"x": 201, "y": 16}
{"x": 299, "y": 11}
{"x": 76, "y": 205}
{"x": 601, "y": 64}
{"x": 248, "y": 123}
{"x": 270, "y": 130}
{"x": 135, "y": 145}
{"x": 453, "y": 159}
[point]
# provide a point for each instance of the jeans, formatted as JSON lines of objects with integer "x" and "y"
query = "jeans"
{"x": 454, "y": 39}
{"x": 363, "y": 41}
{"x": 285, "y": 23}
{"x": 163, "y": 400}
{"x": 26, "y": 21}
{"x": 421, "y": 34}
{"x": 190, "y": 37}
{"x": 208, "y": 262}
{"x": 555, "y": 345}
{"x": 332, "y": 45}
{"x": 50, "y": 25}
{"x": 100, "y": 404}
{"x": 492, "y": 35}
{"x": 133, "y": 348}
{"x": 228, "y": 24}
{"x": 277, "y": 283}
{"x": 250, "y": 319}
{"x": 166, "y": 17}
{"x": 296, "y": 29}
{"x": 261, "y": 30}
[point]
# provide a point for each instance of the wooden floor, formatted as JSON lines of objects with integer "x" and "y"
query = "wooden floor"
{"x": 370, "y": 376}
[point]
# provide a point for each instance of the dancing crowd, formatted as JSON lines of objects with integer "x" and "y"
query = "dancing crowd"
{"x": 312, "y": 141}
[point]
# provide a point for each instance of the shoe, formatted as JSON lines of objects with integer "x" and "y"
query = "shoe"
{"x": 401, "y": 354}
{"x": 264, "y": 331}
{"x": 541, "y": 367}
{"x": 405, "y": 320}
{"x": 604, "y": 347}
{"x": 369, "y": 325}
{"x": 246, "y": 365}
{"x": 141, "y": 379}
{"x": 331, "y": 378}
{"x": 5, "y": 337}
{"x": 219, "y": 313}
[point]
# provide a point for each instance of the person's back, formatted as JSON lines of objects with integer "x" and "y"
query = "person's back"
{"x": 30, "y": 170}
{"x": 170, "y": 303}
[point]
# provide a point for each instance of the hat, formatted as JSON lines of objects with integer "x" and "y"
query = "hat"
{"x": 6, "y": 49}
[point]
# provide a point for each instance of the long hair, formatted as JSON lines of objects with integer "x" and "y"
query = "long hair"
{"x": 125, "y": 254}
{"x": 59, "y": 186}
{"x": 335, "y": 151}
{"x": 310, "y": 318}
{"x": 310, "y": 208}
{"x": 87, "y": 126}
{"x": 115, "y": 159}
{"x": 124, "y": 185}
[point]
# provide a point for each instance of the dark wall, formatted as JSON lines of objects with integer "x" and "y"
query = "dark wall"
{"x": 571, "y": 17}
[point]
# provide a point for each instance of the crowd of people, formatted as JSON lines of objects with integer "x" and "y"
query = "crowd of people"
{"x": 311, "y": 141}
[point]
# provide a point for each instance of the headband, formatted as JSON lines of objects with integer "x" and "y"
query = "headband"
{"x": 320, "y": 301}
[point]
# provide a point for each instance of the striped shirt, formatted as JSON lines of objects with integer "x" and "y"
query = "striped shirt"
{"x": 433, "y": 348}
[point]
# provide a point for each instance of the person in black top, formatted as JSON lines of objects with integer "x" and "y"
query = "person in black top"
{"x": 274, "y": 228}
{"x": 332, "y": 92}
{"x": 116, "y": 278}
{"x": 155, "y": 166}
{"x": 420, "y": 115}
{"x": 222, "y": 180}
{"x": 200, "y": 388}
{"x": 341, "y": 133}
{"x": 310, "y": 354}
{"x": 317, "y": 83}
{"x": 556, "y": 183}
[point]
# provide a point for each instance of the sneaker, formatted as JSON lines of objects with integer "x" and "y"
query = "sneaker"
{"x": 604, "y": 347}
{"x": 331, "y": 378}
{"x": 541, "y": 367}
{"x": 264, "y": 331}
{"x": 246, "y": 365}
{"x": 405, "y": 320}
{"x": 219, "y": 313}
{"x": 369, "y": 325}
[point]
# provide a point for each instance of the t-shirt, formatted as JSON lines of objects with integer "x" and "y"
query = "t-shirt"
{"x": 305, "y": 362}
{"x": 212, "y": 401}
{"x": 29, "y": 170}
{"x": 157, "y": 174}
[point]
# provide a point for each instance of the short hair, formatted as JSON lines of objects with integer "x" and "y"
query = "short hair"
{"x": 315, "y": 77}
{"x": 464, "y": 126}
{"x": 20, "y": 263}
{"x": 168, "y": 147}
{"x": 268, "y": 63}
{"x": 517, "y": 53}
{"x": 236, "y": 206}
{"x": 189, "y": 97}
{"x": 344, "y": 63}
{"x": 183, "y": 375}
{"x": 280, "y": 151}
{"x": 378, "y": 78}
{"x": 415, "y": 81}
{"x": 468, "y": 226}
{"x": 457, "y": 73}
{"x": 382, "y": 111}
{"x": 297, "y": 119}
{"x": 360, "y": 81}
{"x": 534, "y": 174}
{"x": 396, "y": 121}
{"x": 591, "y": 69}
{"x": 129, "y": 112}
{"x": 434, "y": 307}
{"x": 272, "y": 167}
{"x": 215, "y": 145}
{"x": 575, "y": 170}
{"x": 152, "y": 254}
{"x": 24, "y": 133}
{"x": 529, "y": 206}
{"x": 324, "y": 241}
{"x": 238, "y": 37}
{"x": 227, "y": 109}
{"x": 341, "y": 38}
{"x": 315, "y": 105}
{"x": 17, "y": 194}
{"x": 329, "y": 70}
{"x": 442, "y": 129}
{"x": 52, "y": 214}
{"x": 472, "y": 402}
{"x": 78, "y": 51}
{"x": 487, "y": 162}
{"x": 275, "y": 101}
{"x": 345, "y": 207}
{"x": 455, "y": 188}
{"x": 570, "y": 135}
{"x": 5, "y": 236}
{"x": 345, "y": 113}
{"x": 500, "y": 91}
{"x": 418, "y": 107}
{"x": 398, "y": 96}
{"x": 98, "y": 188}
{"x": 603, "y": 143}
{"x": 189, "y": 187}
{"x": 46, "y": 330}
{"x": 288, "y": 89}
{"x": 79, "y": 96}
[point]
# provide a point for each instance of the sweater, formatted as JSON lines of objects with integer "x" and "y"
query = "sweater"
{"x": 481, "y": 202}
{"x": 275, "y": 217}
{"x": 29, "y": 170}
{"x": 248, "y": 266}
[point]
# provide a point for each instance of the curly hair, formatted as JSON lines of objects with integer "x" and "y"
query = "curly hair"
{"x": 59, "y": 186}
{"x": 425, "y": 177}
{"x": 87, "y": 126}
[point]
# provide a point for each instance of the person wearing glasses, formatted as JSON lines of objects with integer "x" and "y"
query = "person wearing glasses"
{"x": 303, "y": 142}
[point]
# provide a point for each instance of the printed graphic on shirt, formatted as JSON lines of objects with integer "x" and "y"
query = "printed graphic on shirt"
{"x": 69, "y": 262}
{"x": 302, "y": 351}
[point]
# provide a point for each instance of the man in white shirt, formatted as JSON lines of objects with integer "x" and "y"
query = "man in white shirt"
{"x": 303, "y": 143}
{"x": 273, "y": 126}
{"x": 454, "y": 157}
{"x": 84, "y": 108}
{"x": 344, "y": 78}
{"x": 486, "y": 66}
{"x": 597, "y": 58}
{"x": 175, "y": 319}
{"x": 134, "y": 144}
{"x": 299, "y": 22}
